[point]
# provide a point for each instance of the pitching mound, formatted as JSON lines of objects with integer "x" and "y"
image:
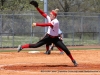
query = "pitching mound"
{"x": 24, "y": 63}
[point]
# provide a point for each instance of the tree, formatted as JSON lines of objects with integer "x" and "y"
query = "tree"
{"x": 15, "y": 6}
{"x": 75, "y": 5}
{"x": 63, "y": 5}
{"x": 2, "y": 2}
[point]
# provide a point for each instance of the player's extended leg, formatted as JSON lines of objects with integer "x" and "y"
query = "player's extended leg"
{"x": 61, "y": 45}
{"x": 38, "y": 44}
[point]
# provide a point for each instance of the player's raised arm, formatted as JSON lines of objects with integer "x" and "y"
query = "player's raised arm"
{"x": 42, "y": 12}
{"x": 35, "y": 4}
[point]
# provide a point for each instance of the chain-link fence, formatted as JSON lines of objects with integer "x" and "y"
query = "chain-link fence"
{"x": 77, "y": 28}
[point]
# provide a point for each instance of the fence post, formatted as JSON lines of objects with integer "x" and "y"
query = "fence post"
{"x": 99, "y": 28}
{"x": 73, "y": 32}
{"x": 0, "y": 30}
{"x": 13, "y": 31}
{"x": 45, "y": 10}
{"x": 81, "y": 30}
{"x": 32, "y": 34}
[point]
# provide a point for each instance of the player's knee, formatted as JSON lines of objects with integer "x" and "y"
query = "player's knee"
{"x": 32, "y": 45}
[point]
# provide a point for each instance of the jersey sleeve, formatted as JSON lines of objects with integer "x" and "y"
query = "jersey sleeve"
{"x": 42, "y": 12}
{"x": 44, "y": 24}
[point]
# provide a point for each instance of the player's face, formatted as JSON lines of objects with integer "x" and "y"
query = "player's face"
{"x": 52, "y": 16}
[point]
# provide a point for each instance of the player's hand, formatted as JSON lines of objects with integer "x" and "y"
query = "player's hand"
{"x": 60, "y": 38}
{"x": 34, "y": 24}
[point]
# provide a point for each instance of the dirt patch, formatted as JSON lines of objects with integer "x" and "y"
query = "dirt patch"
{"x": 24, "y": 63}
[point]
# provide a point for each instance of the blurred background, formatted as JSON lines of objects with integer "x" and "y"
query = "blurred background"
{"x": 79, "y": 21}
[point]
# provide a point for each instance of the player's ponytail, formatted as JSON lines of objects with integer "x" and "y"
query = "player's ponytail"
{"x": 56, "y": 10}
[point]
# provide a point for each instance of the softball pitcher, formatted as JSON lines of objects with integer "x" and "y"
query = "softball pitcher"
{"x": 52, "y": 33}
{"x": 50, "y": 46}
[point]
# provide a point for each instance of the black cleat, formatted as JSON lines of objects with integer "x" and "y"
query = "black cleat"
{"x": 48, "y": 52}
{"x": 19, "y": 48}
{"x": 75, "y": 63}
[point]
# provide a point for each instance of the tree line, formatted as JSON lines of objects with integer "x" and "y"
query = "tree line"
{"x": 63, "y": 5}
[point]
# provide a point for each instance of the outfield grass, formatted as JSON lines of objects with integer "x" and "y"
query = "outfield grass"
{"x": 10, "y": 41}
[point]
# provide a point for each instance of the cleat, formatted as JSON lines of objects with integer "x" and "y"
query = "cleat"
{"x": 19, "y": 48}
{"x": 48, "y": 52}
{"x": 75, "y": 63}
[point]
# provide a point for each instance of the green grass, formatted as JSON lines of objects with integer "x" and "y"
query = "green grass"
{"x": 69, "y": 41}
{"x": 10, "y": 41}
{"x": 16, "y": 40}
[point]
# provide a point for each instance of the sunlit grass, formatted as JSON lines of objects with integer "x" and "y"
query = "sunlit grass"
{"x": 10, "y": 41}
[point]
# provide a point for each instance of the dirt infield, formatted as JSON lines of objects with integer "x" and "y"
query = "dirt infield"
{"x": 24, "y": 63}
